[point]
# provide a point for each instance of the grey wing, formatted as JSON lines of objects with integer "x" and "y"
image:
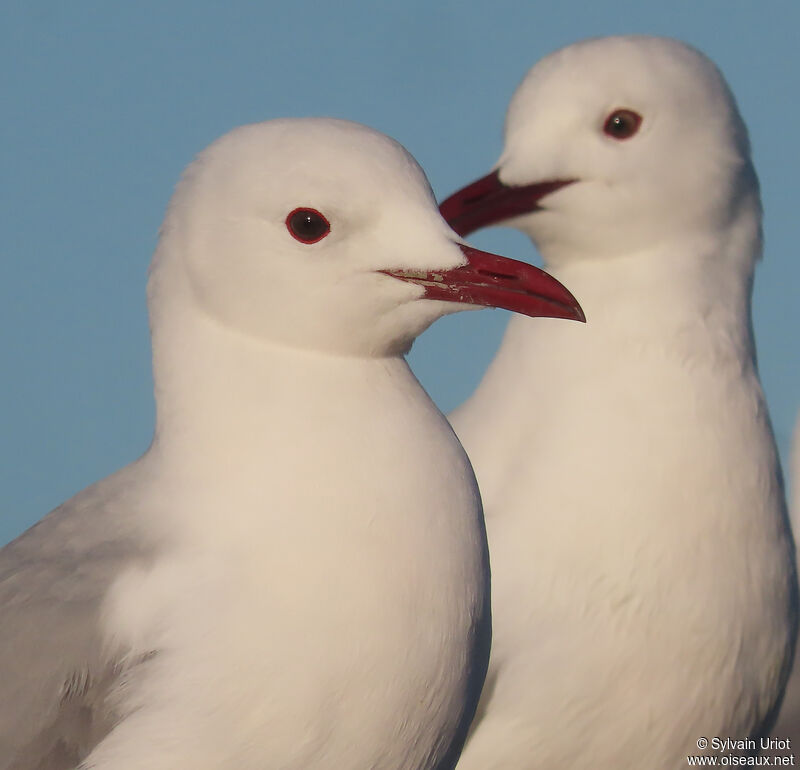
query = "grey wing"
{"x": 55, "y": 671}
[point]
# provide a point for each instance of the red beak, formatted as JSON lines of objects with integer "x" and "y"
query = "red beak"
{"x": 494, "y": 281}
{"x": 488, "y": 201}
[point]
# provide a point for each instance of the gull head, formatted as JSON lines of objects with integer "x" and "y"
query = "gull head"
{"x": 324, "y": 234}
{"x": 613, "y": 145}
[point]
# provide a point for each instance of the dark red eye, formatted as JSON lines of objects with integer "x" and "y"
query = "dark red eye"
{"x": 307, "y": 225}
{"x": 622, "y": 124}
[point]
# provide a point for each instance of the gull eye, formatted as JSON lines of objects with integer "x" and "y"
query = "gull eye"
{"x": 307, "y": 225}
{"x": 622, "y": 124}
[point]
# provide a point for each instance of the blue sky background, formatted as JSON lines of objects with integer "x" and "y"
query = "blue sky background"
{"x": 103, "y": 104}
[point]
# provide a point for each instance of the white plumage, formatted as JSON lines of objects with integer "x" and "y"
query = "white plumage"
{"x": 644, "y": 590}
{"x": 295, "y": 573}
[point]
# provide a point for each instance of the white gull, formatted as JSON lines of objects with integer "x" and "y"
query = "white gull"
{"x": 643, "y": 581}
{"x": 295, "y": 573}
